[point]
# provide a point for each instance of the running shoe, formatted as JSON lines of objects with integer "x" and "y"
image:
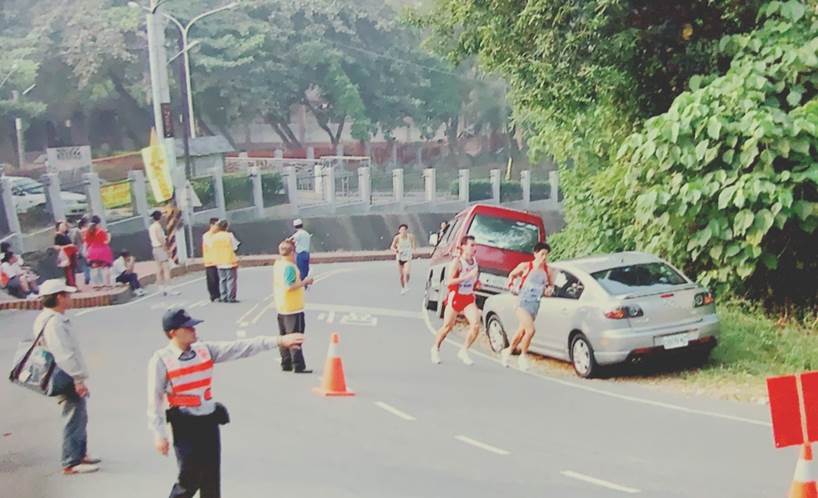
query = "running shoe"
{"x": 464, "y": 357}
{"x": 435, "y": 353}
{"x": 81, "y": 468}
{"x": 523, "y": 364}
{"x": 505, "y": 356}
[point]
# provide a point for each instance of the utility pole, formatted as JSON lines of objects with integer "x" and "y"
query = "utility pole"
{"x": 18, "y": 125}
{"x": 163, "y": 116}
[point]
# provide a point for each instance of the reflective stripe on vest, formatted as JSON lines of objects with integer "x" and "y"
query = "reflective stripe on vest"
{"x": 190, "y": 380}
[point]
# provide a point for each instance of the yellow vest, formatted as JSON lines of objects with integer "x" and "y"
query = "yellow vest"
{"x": 221, "y": 251}
{"x": 207, "y": 249}
{"x": 287, "y": 301}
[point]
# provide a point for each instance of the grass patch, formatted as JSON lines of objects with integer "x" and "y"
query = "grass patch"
{"x": 752, "y": 347}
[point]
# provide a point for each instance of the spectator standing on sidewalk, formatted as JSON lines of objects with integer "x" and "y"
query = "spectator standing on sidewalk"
{"x": 211, "y": 270}
{"x": 288, "y": 294}
{"x": 223, "y": 245}
{"x": 156, "y": 232}
{"x": 66, "y": 253}
{"x": 180, "y": 374}
{"x": 59, "y": 340}
{"x": 77, "y": 235}
{"x": 98, "y": 241}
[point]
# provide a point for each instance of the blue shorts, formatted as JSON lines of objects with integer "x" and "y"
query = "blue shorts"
{"x": 302, "y": 261}
{"x": 530, "y": 307}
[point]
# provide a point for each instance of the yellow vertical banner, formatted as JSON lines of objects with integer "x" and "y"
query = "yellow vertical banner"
{"x": 156, "y": 169}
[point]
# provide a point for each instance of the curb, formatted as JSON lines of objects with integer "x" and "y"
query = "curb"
{"x": 123, "y": 294}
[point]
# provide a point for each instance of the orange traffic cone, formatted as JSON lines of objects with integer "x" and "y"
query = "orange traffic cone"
{"x": 803, "y": 483}
{"x": 333, "y": 383}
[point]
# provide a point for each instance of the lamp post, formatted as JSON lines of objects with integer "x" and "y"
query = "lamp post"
{"x": 162, "y": 115}
{"x": 18, "y": 126}
{"x": 184, "y": 30}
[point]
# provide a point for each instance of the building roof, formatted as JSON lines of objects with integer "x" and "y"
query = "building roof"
{"x": 204, "y": 146}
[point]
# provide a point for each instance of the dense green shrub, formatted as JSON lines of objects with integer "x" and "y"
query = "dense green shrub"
{"x": 726, "y": 182}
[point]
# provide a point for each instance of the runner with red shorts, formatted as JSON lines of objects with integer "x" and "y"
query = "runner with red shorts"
{"x": 463, "y": 272}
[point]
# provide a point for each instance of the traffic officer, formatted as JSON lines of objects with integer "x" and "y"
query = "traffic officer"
{"x": 181, "y": 374}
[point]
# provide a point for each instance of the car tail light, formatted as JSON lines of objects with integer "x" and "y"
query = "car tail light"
{"x": 702, "y": 299}
{"x": 622, "y": 312}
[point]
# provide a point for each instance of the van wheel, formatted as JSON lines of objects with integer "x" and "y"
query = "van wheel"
{"x": 582, "y": 357}
{"x": 498, "y": 340}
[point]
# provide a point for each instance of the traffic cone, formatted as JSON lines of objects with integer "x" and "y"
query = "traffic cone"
{"x": 803, "y": 483}
{"x": 333, "y": 383}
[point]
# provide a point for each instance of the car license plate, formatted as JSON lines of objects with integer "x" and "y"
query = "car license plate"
{"x": 675, "y": 341}
{"x": 491, "y": 280}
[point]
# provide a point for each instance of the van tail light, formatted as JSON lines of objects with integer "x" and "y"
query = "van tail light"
{"x": 623, "y": 312}
{"x": 703, "y": 299}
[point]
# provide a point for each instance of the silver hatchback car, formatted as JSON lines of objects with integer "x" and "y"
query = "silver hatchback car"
{"x": 611, "y": 309}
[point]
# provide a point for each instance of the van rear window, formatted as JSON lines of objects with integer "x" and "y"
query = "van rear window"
{"x": 504, "y": 233}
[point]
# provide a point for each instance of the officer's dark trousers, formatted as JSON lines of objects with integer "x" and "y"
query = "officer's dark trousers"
{"x": 198, "y": 452}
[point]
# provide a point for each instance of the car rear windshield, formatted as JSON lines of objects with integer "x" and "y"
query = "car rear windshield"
{"x": 638, "y": 278}
{"x": 504, "y": 233}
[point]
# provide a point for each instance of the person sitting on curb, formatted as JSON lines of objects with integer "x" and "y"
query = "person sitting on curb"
{"x": 124, "y": 272}
{"x": 19, "y": 282}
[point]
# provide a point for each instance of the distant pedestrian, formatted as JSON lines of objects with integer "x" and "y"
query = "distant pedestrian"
{"x": 211, "y": 270}
{"x": 59, "y": 340}
{"x": 161, "y": 257}
{"x": 181, "y": 375}
{"x": 223, "y": 245}
{"x": 100, "y": 256}
{"x": 462, "y": 280}
{"x": 535, "y": 282}
{"x": 124, "y": 271}
{"x": 302, "y": 240}
{"x": 17, "y": 280}
{"x": 77, "y": 234}
{"x": 67, "y": 253}
{"x": 288, "y": 294}
{"x": 403, "y": 246}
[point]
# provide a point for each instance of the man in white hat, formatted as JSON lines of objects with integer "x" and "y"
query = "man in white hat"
{"x": 59, "y": 340}
{"x": 302, "y": 239}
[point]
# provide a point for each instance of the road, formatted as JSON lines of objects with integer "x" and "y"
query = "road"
{"x": 414, "y": 429}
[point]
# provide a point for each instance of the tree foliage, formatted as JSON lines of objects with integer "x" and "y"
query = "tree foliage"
{"x": 726, "y": 182}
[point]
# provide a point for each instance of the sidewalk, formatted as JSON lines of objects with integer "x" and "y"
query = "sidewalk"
{"x": 87, "y": 297}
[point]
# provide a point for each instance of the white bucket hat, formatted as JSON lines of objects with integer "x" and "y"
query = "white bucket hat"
{"x": 55, "y": 286}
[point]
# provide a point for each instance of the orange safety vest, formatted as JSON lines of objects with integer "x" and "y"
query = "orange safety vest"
{"x": 189, "y": 383}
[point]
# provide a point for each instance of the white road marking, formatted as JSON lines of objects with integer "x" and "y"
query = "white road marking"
{"x": 242, "y": 321}
{"x": 241, "y": 333}
{"x": 324, "y": 276}
{"x": 157, "y": 293}
{"x": 599, "y": 482}
{"x": 199, "y": 304}
{"x": 327, "y": 317}
{"x": 623, "y": 397}
{"x": 361, "y": 310}
{"x": 482, "y": 446}
{"x": 265, "y": 309}
{"x": 85, "y": 311}
{"x": 394, "y": 411}
{"x": 361, "y": 320}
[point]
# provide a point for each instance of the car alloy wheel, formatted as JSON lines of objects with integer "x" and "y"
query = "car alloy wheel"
{"x": 582, "y": 356}
{"x": 496, "y": 334}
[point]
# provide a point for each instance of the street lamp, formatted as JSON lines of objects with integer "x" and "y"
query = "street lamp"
{"x": 13, "y": 70}
{"x": 184, "y": 30}
{"x": 18, "y": 126}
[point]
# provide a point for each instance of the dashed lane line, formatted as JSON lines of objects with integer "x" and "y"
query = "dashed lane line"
{"x": 624, "y": 397}
{"x": 482, "y": 445}
{"x": 394, "y": 411}
{"x": 599, "y": 482}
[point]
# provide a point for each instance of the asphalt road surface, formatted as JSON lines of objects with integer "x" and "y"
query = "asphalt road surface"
{"x": 414, "y": 429}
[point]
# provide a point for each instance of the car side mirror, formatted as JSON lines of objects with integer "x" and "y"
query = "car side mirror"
{"x": 433, "y": 239}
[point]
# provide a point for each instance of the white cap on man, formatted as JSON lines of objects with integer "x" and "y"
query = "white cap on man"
{"x": 298, "y": 223}
{"x": 55, "y": 286}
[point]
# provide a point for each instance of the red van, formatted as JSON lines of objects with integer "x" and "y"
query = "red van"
{"x": 504, "y": 238}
